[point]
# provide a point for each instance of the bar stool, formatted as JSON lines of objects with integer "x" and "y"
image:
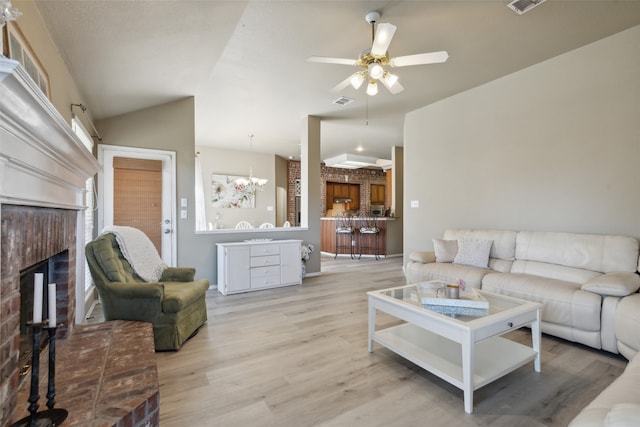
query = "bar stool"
{"x": 344, "y": 231}
{"x": 369, "y": 231}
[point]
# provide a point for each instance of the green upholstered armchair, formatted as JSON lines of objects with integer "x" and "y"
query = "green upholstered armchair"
{"x": 175, "y": 305}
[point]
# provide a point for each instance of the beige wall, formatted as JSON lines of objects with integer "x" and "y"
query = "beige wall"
{"x": 165, "y": 127}
{"x": 171, "y": 127}
{"x": 232, "y": 162}
{"x": 555, "y": 146}
{"x": 394, "y": 228}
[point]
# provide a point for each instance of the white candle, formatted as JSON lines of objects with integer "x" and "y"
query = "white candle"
{"x": 52, "y": 305}
{"x": 37, "y": 298}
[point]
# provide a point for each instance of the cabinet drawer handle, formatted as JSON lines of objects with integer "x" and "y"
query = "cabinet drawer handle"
{"x": 511, "y": 324}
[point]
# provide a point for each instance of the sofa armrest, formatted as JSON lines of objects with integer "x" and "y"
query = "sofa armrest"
{"x": 424, "y": 257}
{"x": 178, "y": 274}
{"x": 616, "y": 284}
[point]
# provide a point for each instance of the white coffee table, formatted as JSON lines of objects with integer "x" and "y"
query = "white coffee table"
{"x": 466, "y": 351}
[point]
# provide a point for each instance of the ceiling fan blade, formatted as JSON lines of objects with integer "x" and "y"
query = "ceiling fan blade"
{"x": 395, "y": 88}
{"x": 328, "y": 60}
{"x": 343, "y": 84}
{"x": 382, "y": 40}
{"x": 419, "y": 59}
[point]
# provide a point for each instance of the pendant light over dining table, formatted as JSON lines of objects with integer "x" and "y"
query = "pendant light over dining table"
{"x": 252, "y": 183}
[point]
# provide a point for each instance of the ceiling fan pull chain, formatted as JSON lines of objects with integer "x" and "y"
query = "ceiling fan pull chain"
{"x": 366, "y": 118}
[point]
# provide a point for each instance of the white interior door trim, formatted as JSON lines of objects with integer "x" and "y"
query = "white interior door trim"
{"x": 106, "y": 153}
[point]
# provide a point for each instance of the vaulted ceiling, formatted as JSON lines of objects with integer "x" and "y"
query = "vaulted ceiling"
{"x": 246, "y": 61}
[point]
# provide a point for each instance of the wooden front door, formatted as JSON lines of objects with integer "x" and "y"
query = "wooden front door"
{"x": 137, "y": 196}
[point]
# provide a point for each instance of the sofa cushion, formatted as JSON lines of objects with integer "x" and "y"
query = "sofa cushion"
{"x": 618, "y": 284}
{"x": 111, "y": 261}
{"x": 627, "y": 321}
{"x": 563, "y": 302}
{"x": 108, "y": 260}
{"x": 600, "y": 253}
{"x": 504, "y": 242}
{"x": 447, "y": 272}
{"x": 554, "y": 271}
{"x": 179, "y": 295}
{"x": 445, "y": 250}
{"x": 474, "y": 252}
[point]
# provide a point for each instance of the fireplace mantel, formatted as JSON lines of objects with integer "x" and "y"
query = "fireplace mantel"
{"x": 43, "y": 171}
{"x": 42, "y": 161}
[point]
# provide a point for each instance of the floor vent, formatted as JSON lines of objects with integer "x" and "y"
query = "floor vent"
{"x": 522, "y": 6}
{"x": 343, "y": 100}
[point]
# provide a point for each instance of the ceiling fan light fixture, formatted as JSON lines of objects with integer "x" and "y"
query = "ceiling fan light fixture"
{"x": 372, "y": 62}
{"x": 372, "y": 88}
{"x": 389, "y": 79}
{"x": 375, "y": 70}
{"x": 357, "y": 79}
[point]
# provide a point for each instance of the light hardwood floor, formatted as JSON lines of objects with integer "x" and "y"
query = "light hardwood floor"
{"x": 297, "y": 356}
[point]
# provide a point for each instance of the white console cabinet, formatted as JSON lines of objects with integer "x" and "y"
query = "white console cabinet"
{"x": 254, "y": 265}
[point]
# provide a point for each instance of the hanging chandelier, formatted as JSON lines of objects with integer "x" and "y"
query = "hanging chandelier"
{"x": 252, "y": 183}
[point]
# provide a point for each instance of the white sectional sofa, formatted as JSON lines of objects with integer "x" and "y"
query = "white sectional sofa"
{"x": 588, "y": 286}
{"x": 617, "y": 405}
{"x": 579, "y": 278}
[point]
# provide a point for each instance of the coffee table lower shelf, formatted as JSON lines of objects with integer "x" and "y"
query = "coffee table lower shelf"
{"x": 494, "y": 357}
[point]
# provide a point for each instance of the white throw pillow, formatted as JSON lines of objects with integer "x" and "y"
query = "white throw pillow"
{"x": 623, "y": 415}
{"x": 446, "y": 250}
{"x": 474, "y": 252}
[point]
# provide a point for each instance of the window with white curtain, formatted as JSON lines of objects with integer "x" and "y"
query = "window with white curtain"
{"x": 89, "y": 199}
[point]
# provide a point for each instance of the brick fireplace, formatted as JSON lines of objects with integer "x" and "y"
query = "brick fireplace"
{"x": 43, "y": 169}
{"x": 31, "y": 235}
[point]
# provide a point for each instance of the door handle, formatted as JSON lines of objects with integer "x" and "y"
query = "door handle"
{"x": 167, "y": 230}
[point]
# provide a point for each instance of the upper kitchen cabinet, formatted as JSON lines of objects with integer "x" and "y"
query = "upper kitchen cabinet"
{"x": 343, "y": 193}
{"x": 340, "y": 191}
{"x": 378, "y": 194}
{"x": 354, "y": 195}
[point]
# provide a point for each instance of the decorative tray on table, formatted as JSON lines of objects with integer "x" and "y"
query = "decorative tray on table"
{"x": 434, "y": 293}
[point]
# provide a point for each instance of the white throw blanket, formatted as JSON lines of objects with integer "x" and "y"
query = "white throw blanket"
{"x": 137, "y": 248}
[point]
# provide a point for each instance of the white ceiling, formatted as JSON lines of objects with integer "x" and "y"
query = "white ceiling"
{"x": 245, "y": 61}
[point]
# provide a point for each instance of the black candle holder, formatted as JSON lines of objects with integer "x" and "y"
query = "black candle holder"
{"x": 52, "y": 416}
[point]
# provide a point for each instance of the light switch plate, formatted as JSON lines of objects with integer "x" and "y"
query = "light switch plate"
{"x": 183, "y": 202}
{"x": 415, "y": 203}
{"x": 183, "y": 214}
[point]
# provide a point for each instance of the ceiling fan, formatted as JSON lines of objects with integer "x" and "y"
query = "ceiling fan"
{"x": 375, "y": 59}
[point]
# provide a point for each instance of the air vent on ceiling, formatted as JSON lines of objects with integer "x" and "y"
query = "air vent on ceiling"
{"x": 522, "y": 6}
{"x": 343, "y": 100}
